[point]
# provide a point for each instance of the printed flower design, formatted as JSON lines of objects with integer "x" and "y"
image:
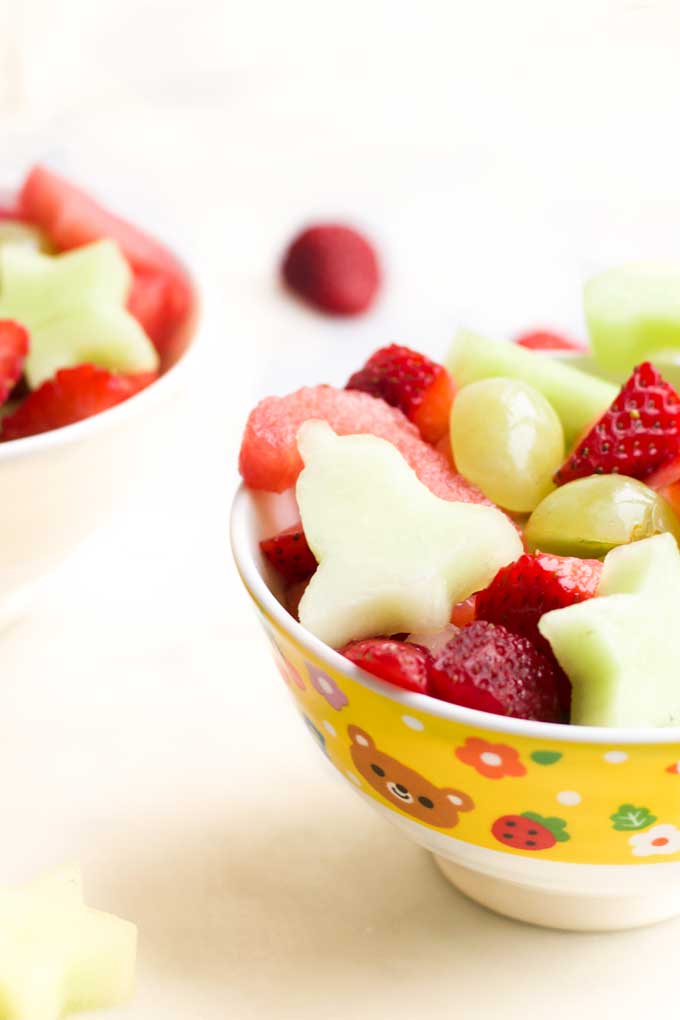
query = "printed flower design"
{"x": 661, "y": 839}
{"x": 327, "y": 688}
{"x": 287, "y": 669}
{"x": 491, "y": 760}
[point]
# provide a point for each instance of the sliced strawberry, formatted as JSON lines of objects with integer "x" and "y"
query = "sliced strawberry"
{"x": 489, "y": 668}
{"x": 546, "y": 340}
{"x": 404, "y": 665}
{"x": 464, "y": 612}
{"x": 293, "y": 596}
{"x": 290, "y": 554}
{"x": 420, "y": 388}
{"x": 71, "y": 395}
{"x": 13, "y": 350}
{"x": 334, "y": 268}
{"x": 638, "y": 435}
{"x": 672, "y": 497}
{"x": 522, "y": 592}
{"x": 533, "y": 585}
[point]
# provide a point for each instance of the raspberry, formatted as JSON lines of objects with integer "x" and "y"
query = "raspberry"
{"x": 334, "y": 268}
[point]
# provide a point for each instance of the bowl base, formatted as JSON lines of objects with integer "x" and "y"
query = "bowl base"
{"x": 564, "y": 910}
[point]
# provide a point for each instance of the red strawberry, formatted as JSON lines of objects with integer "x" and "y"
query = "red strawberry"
{"x": 420, "y": 388}
{"x": 522, "y": 592}
{"x": 293, "y": 596}
{"x": 404, "y": 665}
{"x": 334, "y": 268}
{"x": 530, "y": 831}
{"x": 69, "y": 396}
{"x": 13, "y": 351}
{"x": 546, "y": 340}
{"x": 289, "y": 553}
{"x": 639, "y": 434}
{"x": 464, "y": 612}
{"x": 488, "y": 667}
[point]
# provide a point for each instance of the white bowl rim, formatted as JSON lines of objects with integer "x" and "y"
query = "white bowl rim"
{"x": 241, "y": 514}
{"x": 35, "y": 445}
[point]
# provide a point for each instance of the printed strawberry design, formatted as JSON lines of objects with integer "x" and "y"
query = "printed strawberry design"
{"x": 530, "y": 831}
{"x": 637, "y": 436}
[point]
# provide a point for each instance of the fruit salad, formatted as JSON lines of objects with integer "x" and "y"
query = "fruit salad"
{"x": 499, "y": 531}
{"x": 91, "y": 308}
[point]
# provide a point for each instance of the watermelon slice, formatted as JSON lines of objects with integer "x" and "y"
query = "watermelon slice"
{"x": 270, "y": 460}
{"x": 161, "y": 296}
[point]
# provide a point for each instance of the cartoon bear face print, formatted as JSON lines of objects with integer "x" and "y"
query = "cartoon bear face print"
{"x": 403, "y": 788}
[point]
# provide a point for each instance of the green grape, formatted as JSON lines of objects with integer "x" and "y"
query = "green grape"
{"x": 592, "y": 515}
{"x": 508, "y": 440}
{"x": 15, "y": 232}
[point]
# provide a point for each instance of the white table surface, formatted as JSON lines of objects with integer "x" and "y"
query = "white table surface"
{"x": 145, "y": 733}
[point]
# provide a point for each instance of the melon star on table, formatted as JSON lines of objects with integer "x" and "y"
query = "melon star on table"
{"x": 57, "y": 955}
{"x": 393, "y": 557}
{"x": 73, "y": 306}
{"x": 618, "y": 649}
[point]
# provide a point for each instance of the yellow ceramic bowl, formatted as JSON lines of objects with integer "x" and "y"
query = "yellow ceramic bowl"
{"x": 564, "y": 826}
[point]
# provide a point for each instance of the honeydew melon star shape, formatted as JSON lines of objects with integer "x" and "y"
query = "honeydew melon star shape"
{"x": 620, "y": 649}
{"x": 58, "y": 956}
{"x": 392, "y": 556}
{"x": 73, "y": 306}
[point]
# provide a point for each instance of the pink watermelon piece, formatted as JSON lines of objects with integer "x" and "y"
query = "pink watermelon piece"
{"x": 270, "y": 460}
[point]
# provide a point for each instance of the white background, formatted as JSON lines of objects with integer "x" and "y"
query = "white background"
{"x": 498, "y": 153}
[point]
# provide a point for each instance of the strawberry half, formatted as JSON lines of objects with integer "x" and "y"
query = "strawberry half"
{"x": 404, "y": 665}
{"x": 522, "y": 592}
{"x": 71, "y": 395}
{"x": 489, "y": 668}
{"x": 13, "y": 350}
{"x": 421, "y": 388}
{"x": 290, "y": 554}
{"x": 546, "y": 340}
{"x": 637, "y": 436}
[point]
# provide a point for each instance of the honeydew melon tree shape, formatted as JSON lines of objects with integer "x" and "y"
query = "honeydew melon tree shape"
{"x": 392, "y": 556}
{"x": 619, "y": 649}
{"x": 73, "y": 306}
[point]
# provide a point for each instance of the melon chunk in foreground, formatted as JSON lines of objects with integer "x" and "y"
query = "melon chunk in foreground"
{"x": 393, "y": 557}
{"x": 619, "y": 649}
{"x": 58, "y": 956}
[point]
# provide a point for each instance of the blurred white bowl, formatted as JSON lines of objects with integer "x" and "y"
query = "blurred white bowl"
{"x": 58, "y": 487}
